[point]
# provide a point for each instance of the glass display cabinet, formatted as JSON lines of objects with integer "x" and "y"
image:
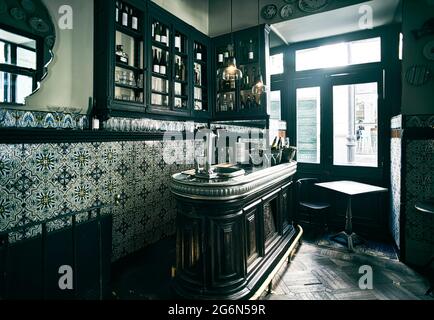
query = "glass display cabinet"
{"x": 235, "y": 99}
{"x": 149, "y": 63}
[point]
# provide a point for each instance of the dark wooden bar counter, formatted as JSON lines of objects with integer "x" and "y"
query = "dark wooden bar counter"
{"x": 232, "y": 234}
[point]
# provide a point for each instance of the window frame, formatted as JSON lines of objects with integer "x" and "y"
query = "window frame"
{"x": 389, "y": 68}
{"x": 15, "y": 70}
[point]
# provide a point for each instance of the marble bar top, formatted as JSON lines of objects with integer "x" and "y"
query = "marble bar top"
{"x": 186, "y": 185}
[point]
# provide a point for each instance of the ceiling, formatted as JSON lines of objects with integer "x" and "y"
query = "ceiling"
{"x": 334, "y": 22}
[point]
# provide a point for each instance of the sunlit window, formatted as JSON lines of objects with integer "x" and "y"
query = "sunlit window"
{"x": 309, "y": 125}
{"x": 276, "y": 64}
{"x": 339, "y": 55}
{"x": 17, "y": 67}
{"x": 355, "y": 125}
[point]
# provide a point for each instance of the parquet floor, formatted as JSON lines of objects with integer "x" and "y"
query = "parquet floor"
{"x": 317, "y": 273}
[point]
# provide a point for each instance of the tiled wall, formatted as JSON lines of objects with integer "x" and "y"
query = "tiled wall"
{"x": 395, "y": 217}
{"x": 411, "y": 182}
{"x": 419, "y": 186}
{"x": 40, "y": 181}
{"x": 10, "y": 118}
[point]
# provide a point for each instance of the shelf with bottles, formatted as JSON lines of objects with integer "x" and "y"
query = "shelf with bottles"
{"x": 128, "y": 18}
{"x": 160, "y": 34}
{"x": 129, "y": 60}
{"x": 247, "y": 51}
{"x": 226, "y": 102}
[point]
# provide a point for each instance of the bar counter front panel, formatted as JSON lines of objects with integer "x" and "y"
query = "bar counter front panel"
{"x": 231, "y": 234}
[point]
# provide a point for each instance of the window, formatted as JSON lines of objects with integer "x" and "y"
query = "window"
{"x": 339, "y": 55}
{"x": 276, "y": 64}
{"x": 355, "y": 125}
{"x": 308, "y": 124}
{"x": 17, "y": 67}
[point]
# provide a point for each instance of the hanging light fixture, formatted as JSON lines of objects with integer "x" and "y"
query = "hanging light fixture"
{"x": 259, "y": 87}
{"x": 231, "y": 72}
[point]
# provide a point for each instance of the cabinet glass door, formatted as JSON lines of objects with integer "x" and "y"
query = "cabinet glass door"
{"x": 180, "y": 72}
{"x": 226, "y": 90}
{"x": 160, "y": 90}
{"x": 129, "y": 55}
{"x": 200, "y": 77}
{"x": 247, "y": 53}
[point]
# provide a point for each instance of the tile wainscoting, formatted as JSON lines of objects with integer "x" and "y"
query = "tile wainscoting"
{"x": 412, "y": 180}
{"x": 41, "y": 181}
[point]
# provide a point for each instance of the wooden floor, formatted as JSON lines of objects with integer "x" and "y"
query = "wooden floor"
{"x": 317, "y": 273}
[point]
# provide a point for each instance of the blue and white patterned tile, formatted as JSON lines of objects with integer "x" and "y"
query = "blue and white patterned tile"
{"x": 10, "y": 206}
{"x": 9, "y": 164}
{"x": 68, "y": 122}
{"x": 49, "y": 121}
{"x": 8, "y": 118}
{"x": 45, "y": 203}
{"x": 44, "y": 160}
{"x": 26, "y": 119}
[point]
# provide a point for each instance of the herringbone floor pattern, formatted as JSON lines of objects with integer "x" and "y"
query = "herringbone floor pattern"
{"x": 317, "y": 273}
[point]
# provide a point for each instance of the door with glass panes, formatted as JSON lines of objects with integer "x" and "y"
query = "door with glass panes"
{"x": 341, "y": 134}
{"x": 339, "y": 125}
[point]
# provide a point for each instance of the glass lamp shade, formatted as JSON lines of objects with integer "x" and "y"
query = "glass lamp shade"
{"x": 259, "y": 87}
{"x": 231, "y": 72}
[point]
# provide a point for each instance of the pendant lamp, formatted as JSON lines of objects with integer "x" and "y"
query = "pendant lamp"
{"x": 259, "y": 87}
{"x": 231, "y": 72}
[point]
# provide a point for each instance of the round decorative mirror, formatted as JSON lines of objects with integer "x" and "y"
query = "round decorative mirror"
{"x": 27, "y": 37}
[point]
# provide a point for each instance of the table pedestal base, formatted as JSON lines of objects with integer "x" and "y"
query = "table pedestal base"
{"x": 348, "y": 240}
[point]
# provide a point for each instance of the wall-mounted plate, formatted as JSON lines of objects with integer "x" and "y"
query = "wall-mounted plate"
{"x": 418, "y": 75}
{"x": 286, "y": 11}
{"x": 312, "y": 5}
{"x": 269, "y": 11}
{"x": 18, "y": 14}
{"x": 39, "y": 25}
{"x": 428, "y": 51}
{"x": 49, "y": 41}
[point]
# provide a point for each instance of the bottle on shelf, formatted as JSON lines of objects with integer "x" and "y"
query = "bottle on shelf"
{"x": 220, "y": 59}
{"x": 226, "y": 56}
{"x": 155, "y": 62}
{"x": 274, "y": 144}
{"x": 246, "y": 80}
{"x": 164, "y": 35}
{"x": 134, "y": 20}
{"x": 197, "y": 75}
{"x": 178, "y": 42}
{"x": 279, "y": 144}
{"x": 198, "y": 52}
{"x": 248, "y": 103}
{"x": 163, "y": 63}
{"x": 125, "y": 16}
{"x": 177, "y": 69}
{"x": 182, "y": 70}
{"x": 157, "y": 31}
{"x": 251, "y": 54}
{"x": 121, "y": 56}
{"x": 118, "y": 6}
